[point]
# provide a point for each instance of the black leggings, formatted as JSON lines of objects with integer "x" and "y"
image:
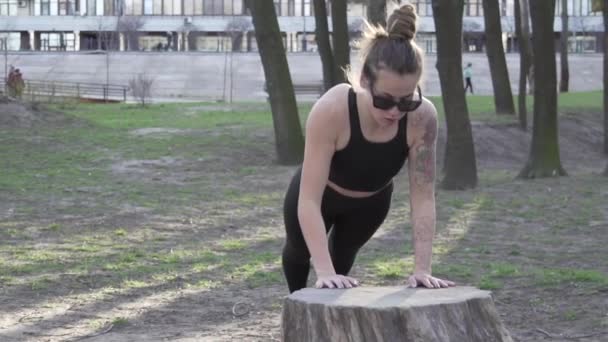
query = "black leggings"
{"x": 354, "y": 221}
{"x": 469, "y": 85}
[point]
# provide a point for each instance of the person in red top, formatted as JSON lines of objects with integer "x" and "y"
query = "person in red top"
{"x": 357, "y": 141}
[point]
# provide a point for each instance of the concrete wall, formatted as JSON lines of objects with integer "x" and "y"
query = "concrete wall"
{"x": 207, "y": 75}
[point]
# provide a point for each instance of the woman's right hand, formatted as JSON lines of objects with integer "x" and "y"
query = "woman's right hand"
{"x": 336, "y": 281}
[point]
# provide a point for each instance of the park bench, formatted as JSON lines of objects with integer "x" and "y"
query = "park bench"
{"x": 305, "y": 88}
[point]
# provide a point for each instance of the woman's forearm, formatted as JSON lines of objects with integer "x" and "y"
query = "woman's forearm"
{"x": 315, "y": 235}
{"x": 423, "y": 231}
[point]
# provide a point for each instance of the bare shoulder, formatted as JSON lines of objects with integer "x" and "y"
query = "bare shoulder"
{"x": 330, "y": 110}
{"x": 422, "y": 123}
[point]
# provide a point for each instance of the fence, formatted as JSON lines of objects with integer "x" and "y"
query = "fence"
{"x": 79, "y": 90}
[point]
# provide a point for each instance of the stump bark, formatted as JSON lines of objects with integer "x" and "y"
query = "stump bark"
{"x": 389, "y": 314}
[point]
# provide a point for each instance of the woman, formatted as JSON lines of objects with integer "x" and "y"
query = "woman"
{"x": 356, "y": 142}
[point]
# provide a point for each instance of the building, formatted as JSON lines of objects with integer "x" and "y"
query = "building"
{"x": 224, "y": 25}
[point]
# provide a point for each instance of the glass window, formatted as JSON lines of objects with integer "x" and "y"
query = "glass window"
{"x": 218, "y": 7}
{"x": 198, "y": 7}
{"x": 228, "y": 7}
{"x": 91, "y": 7}
{"x": 473, "y": 8}
{"x": 45, "y": 7}
{"x": 208, "y": 7}
{"x": 158, "y": 7}
{"x": 54, "y": 7}
{"x": 424, "y": 8}
{"x": 238, "y": 7}
{"x": 168, "y": 7}
{"x": 148, "y": 7}
{"x": 8, "y": 7}
{"x": 188, "y": 7}
{"x": 138, "y": 7}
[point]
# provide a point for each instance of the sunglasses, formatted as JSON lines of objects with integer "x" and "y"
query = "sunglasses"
{"x": 404, "y": 104}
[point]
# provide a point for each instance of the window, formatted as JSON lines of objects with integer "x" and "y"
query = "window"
{"x": 66, "y": 7}
{"x": 8, "y": 7}
{"x": 300, "y": 8}
{"x": 212, "y": 7}
{"x": 424, "y": 8}
{"x": 473, "y": 8}
{"x": 45, "y": 7}
{"x": 148, "y": 7}
{"x": 11, "y": 39}
{"x": 52, "y": 41}
{"x": 238, "y": 7}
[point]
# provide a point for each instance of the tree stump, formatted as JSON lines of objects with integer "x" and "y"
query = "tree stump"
{"x": 391, "y": 314}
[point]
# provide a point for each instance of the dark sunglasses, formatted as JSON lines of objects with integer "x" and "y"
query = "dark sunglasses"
{"x": 404, "y": 105}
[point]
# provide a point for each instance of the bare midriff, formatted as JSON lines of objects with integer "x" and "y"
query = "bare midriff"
{"x": 352, "y": 193}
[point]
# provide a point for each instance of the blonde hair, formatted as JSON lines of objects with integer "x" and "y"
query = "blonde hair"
{"x": 393, "y": 48}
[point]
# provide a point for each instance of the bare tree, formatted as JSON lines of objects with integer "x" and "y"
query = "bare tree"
{"x": 605, "y": 13}
{"x": 324, "y": 45}
{"x": 141, "y": 88}
{"x": 459, "y": 164}
{"x": 563, "y": 49}
{"x": 130, "y": 26}
{"x": 503, "y": 97}
{"x": 544, "y": 159}
{"x": 602, "y": 5}
{"x": 289, "y": 140}
{"x": 522, "y": 29}
{"x": 340, "y": 39}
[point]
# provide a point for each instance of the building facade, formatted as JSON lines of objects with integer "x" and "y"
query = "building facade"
{"x": 225, "y": 25}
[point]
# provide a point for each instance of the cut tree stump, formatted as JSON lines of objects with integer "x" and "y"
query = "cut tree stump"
{"x": 389, "y": 314}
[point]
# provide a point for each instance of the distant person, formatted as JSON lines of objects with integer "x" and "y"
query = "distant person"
{"x": 356, "y": 142}
{"x": 19, "y": 83}
{"x": 468, "y": 74}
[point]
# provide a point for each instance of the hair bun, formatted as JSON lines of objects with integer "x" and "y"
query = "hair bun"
{"x": 401, "y": 24}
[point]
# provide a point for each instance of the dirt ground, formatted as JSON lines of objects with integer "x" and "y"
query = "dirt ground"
{"x": 514, "y": 221}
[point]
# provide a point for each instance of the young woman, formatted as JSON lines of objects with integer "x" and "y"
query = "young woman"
{"x": 356, "y": 142}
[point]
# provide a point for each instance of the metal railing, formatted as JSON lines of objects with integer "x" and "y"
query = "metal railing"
{"x": 79, "y": 90}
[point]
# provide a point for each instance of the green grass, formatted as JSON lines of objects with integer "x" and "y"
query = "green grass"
{"x": 200, "y": 234}
{"x": 566, "y": 276}
{"x": 481, "y": 107}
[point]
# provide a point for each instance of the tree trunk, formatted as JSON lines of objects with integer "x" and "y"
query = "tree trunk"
{"x": 340, "y": 40}
{"x": 563, "y": 49}
{"x": 392, "y": 314}
{"x": 459, "y": 164}
{"x": 503, "y": 97}
{"x": 525, "y": 27}
{"x": 544, "y": 159}
{"x": 322, "y": 38}
{"x": 605, "y": 11}
{"x": 523, "y": 67}
{"x": 376, "y": 12}
{"x": 288, "y": 131}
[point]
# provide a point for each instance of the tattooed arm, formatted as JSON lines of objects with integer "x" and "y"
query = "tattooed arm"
{"x": 423, "y": 129}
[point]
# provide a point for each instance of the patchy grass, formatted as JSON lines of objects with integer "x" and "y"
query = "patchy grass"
{"x": 98, "y": 219}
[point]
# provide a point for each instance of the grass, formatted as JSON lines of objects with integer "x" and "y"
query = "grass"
{"x": 79, "y": 228}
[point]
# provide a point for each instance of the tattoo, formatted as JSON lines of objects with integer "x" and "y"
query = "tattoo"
{"x": 424, "y": 169}
{"x": 417, "y": 119}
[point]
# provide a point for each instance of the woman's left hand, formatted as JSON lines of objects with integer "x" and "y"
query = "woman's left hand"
{"x": 428, "y": 281}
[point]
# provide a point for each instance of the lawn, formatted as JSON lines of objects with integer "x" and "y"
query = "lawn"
{"x": 124, "y": 223}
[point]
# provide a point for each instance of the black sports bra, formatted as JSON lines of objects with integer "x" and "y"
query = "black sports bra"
{"x": 365, "y": 165}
